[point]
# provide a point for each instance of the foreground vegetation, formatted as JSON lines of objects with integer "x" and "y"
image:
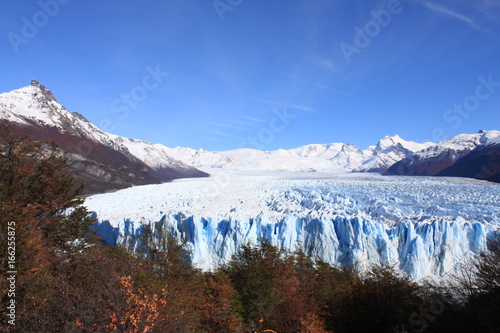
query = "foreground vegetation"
{"x": 66, "y": 281}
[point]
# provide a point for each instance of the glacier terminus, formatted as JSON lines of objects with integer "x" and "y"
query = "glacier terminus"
{"x": 426, "y": 226}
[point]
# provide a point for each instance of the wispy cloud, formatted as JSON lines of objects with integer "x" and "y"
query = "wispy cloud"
{"x": 446, "y": 11}
{"x": 225, "y": 134}
{"x": 323, "y": 87}
{"x": 242, "y": 123}
{"x": 291, "y": 106}
{"x": 321, "y": 62}
{"x": 489, "y": 8}
{"x": 211, "y": 138}
{"x": 255, "y": 120}
{"x": 228, "y": 125}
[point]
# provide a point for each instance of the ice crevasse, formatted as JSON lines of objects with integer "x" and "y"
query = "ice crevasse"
{"x": 425, "y": 226}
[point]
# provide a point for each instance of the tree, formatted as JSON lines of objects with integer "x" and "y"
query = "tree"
{"x": 328, "y": 289}
{"x": 377, "y": 301}
{"x": 141, "y": 311}
{"x": 274, "y": 289}
{"x": 472, "y": 300}
{"x": 173, "y": 272}
{"x": 40, "y": 205}
{"x": 219, "y": 315}
{"x": 311, "y": 323}
{"x": 251, "y": 272}
{"x": 37, "y": 192}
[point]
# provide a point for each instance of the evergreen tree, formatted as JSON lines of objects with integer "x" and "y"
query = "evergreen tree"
{"x": 40, "y": 203}
{"x": 37, "y": 192}
{"x": 219, "y": 306}
{"x": 377, "y": 301}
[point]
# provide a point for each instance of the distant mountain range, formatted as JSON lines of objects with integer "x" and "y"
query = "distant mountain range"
{"x": 465, "y": 155}
{"x": 340, "y": 157}
{"x": 104, "y": 161}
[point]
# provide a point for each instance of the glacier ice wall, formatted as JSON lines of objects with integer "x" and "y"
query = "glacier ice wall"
{"x": 421, "y": 249}
{"x": 426, "y": 226}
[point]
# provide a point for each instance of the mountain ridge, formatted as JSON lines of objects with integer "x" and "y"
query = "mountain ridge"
{"x": 445, "y": 158}
{"x": 98, "y": 160}
{"x": 334, "y": 156}
{"x": 35, "y": 106}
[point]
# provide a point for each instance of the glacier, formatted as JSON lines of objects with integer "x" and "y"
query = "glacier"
{"x": 426, "y": 226}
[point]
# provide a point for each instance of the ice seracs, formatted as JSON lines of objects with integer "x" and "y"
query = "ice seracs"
{"x": 426, "y": 226}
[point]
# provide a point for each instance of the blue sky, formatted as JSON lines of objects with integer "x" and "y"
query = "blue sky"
{"x": 262, "y": 74}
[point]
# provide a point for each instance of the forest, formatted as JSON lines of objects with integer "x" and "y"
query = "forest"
{"x": 57, "y": 276}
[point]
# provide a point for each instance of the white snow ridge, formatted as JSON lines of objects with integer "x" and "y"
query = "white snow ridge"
{"x": 427, "y": 226}
{"x": 313, "y": 157}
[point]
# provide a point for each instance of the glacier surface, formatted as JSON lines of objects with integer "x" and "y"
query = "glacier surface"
{"x": 426, "y": 226}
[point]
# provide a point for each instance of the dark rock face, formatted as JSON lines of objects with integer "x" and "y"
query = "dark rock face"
{"x": 99, "y": 168}
{"x": 98, "y": 162}
{"x": 418, "y": 165}
{"x": 45, "y": 92}
{"x": 481, "y": 163}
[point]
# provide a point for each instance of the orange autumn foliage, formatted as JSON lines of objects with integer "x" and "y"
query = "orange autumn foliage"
{"x": 140, "y": 312}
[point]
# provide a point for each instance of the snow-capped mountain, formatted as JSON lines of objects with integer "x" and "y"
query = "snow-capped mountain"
{"x": 99, "y": 160}
{"x": 436, "y": 159}
{"x": 391, "y": 154}
{"x": 35, "y": 105}
{"x": 252, "y": 160}
{"x": 156, "y": 157}
{"x": 388, "y": 151}
{"x": 340, "y": 157}
{"x": 481, "y": 163}
{"x": 426, "y": 226}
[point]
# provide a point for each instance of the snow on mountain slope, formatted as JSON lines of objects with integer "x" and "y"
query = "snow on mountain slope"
{"x": 315, "y": 157}
{"x": 332, "y": 157}
{"x": 156, "y": 156}
{"x": 490, "y": 137}
{"x": 390, "y": 141}
{"x": 36, "y": 106}
{"x": 252, "y": 160}
{"x": 388, "y": 151}
{"x": 483, "y": 162}
{"x": 444, "y": 154}
{"x": 339, "y": 155}
{"x": 324, "y": 151}
{"x": 427, "y": 225}
{"x": 460, "y": 143}
{"x": 493, "y": 141}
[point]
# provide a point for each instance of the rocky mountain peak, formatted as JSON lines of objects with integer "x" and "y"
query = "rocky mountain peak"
{"x": 45, "y": 92}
